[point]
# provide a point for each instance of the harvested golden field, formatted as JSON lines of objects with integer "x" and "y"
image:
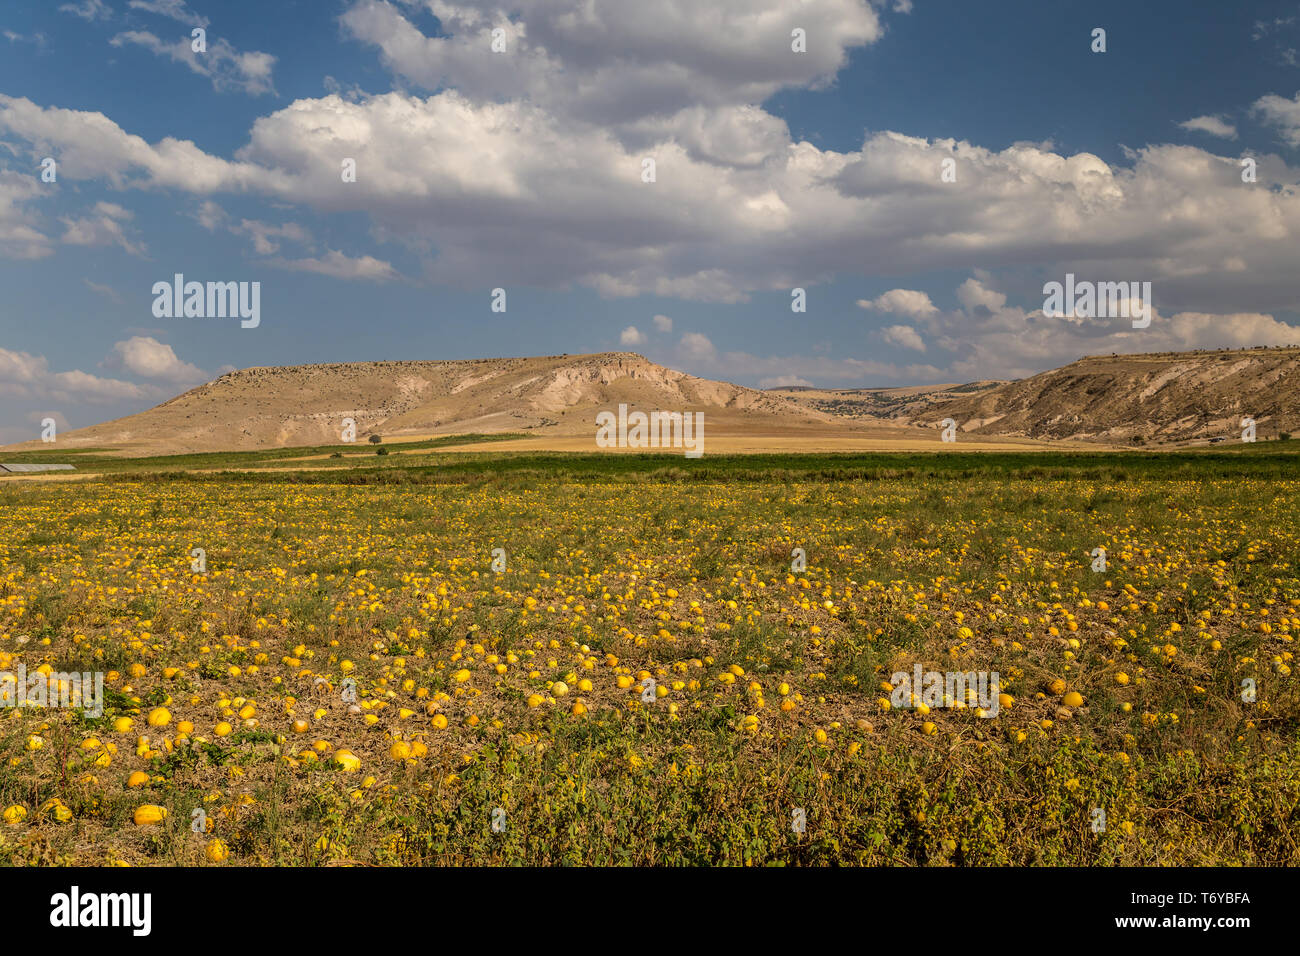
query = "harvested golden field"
{"x": 639, "y": 675}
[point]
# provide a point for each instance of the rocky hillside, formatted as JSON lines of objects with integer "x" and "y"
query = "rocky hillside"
{"x": 1183, "y": 397}
{"x": 306, "y": 405}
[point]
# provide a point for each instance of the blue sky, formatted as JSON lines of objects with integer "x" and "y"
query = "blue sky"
{"x": 522, "y": 170}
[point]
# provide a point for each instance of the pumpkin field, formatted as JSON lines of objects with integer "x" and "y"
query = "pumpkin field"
{"x": 579, "y": 660}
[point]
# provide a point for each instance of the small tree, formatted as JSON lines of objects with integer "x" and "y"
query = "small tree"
{"x": 375, "y": 439}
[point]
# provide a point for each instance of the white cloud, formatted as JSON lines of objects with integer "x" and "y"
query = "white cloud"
{"x": 904, "y": 336}
{"x": 23, "y": 375}
{"x": 474, "y": 181}
{"x": 88, "y": 10}
{"x": 209, "y": 215}
{"x": 352, "y": 93}
{"x": 147, "y": 357}
{"x": 631, "y": 336}
{"x": 903, "y": 301}
{"x": 36, "y": 38}
{"x": 447, "y": 173}
{"x": 222, "y": 64}
{"x": 662, "y": 323}
{"x": 1213, "y": 125}
{"x": 176, "y": 9}
{"x": 1263, "y": 28}
{"x": 103, "y": 228}
{"x": 784, "y": 381}
{"x": 1283, "y": 113}
{"x": 739, "y": 136}
{"x": 974, "y": 295}
{"x": 264, "y": 235}
{"x": 112, "y": 210}
{"x": 695, "y": 347}
{"x": 618, "y": 61}
{"x": 91, "y": 146}
{"x": 19, "y": 236}
{"x": 339, "y": 266}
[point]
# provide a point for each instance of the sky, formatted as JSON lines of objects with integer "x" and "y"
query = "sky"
{"x": 919, "y": 168}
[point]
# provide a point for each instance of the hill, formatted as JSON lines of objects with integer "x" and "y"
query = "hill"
{"x": 553, "y": 395}
{"x": 1166, "y": 397}
{"x": 1182, "y": 398}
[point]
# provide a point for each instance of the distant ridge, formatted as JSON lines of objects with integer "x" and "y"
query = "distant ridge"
{"x": 1160, "y": 397}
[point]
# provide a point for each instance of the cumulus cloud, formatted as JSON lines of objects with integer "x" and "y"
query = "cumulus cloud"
{"x": 91, "y": 146}
{"x": 904, "y": 336}
{"x": 974, "y": 295}
{"x": 1212, "y": 125}
{"x": 903, "y": 301}
{"x": 618, "y": 61}
{"x": 23, "y": 375}
{"x": 662, "y": 323}
{"x": 632, "y": 336}
{"x": 477, "y": 181}
{"x": 696, "y": 347}
{"x": 733, "y": 136}
{"x": 147, "y": 357}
